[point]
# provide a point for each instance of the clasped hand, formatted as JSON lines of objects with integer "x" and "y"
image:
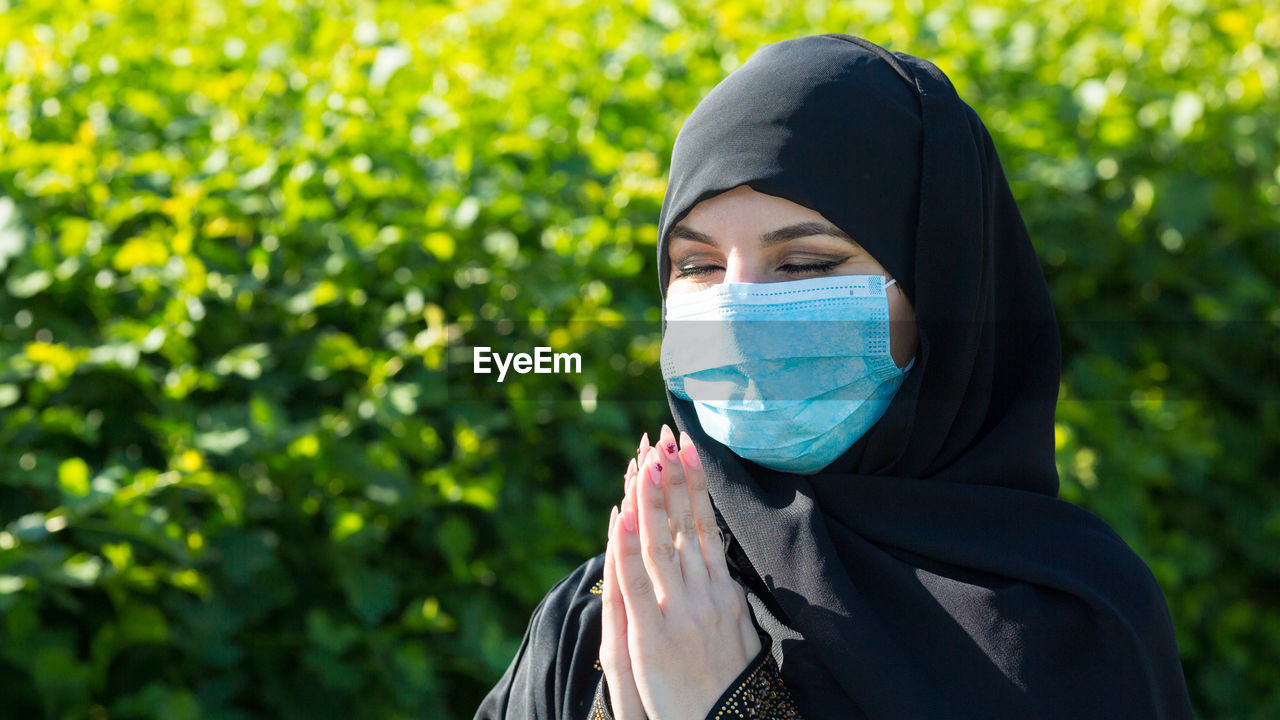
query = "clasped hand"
{"x": 677, "y": 629}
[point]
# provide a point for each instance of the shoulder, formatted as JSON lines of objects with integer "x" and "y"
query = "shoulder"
{"x": 555, "y": 669}
{"x": 1106, "y": 572}
{"x": 572, "y": 600}
{"x": 583, "y": 583}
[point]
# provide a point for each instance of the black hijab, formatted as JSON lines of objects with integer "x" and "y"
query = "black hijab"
{"x": 930, "y": 571}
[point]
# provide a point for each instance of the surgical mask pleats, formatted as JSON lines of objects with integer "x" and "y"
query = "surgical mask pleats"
{"x": 785, "y": 374}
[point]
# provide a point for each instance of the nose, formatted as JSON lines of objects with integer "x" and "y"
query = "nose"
{"x": 739, "y": 268}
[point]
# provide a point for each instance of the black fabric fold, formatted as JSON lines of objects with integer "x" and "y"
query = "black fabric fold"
{"x": 555, "y": 671}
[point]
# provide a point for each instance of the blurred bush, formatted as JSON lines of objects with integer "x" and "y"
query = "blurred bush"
{"x": 239, "y": 240}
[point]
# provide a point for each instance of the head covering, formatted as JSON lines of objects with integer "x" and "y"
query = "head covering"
{"x": 931, "y": 570}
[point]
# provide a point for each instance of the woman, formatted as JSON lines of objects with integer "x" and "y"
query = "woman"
{"x": 894, "y": 537}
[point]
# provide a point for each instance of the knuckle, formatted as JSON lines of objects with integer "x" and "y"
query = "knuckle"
{"x": 657, "y": 501}
{"x": 711, "y": 534}
{"x": 733, "y": 611}
{"x": 642, "y": 585}
{"x": 687, "y": 524}
{"x": 676, "y": 476}
{"x": 727, "y": 596}
{"x": 707, "y": 521}
{"x": 662, "y": 551}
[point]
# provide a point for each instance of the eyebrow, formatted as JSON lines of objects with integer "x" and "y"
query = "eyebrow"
{"x": 773, "y": 237}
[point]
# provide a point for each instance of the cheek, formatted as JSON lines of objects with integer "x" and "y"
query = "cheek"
{"x": 678, "y": 287}
{"x": 902, "y": 330}
{"x": 899, "y": 307}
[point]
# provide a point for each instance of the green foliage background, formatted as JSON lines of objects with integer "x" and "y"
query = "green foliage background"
{"x": 234, "y": 239}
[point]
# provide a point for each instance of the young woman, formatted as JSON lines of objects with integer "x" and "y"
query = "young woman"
{"x": 862, "y": 361}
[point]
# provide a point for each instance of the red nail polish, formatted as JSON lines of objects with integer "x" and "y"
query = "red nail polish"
{"x": 654, "y": 475}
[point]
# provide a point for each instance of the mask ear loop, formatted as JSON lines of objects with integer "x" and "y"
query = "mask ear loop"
{"x": 913, "y": 359}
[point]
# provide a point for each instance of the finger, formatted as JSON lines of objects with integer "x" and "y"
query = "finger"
{"x": 638, "y": 593}
{"x": 629, "y": 500}
{"x": 613, "y": 615}
{"x": 629, "y": 476}
{"x": 655, "y": 530}
{"x": 680, "y": 509}
{"x": 712, "y": 540}
{"x": 615, "y": 657}
{"x": 641, "y": 452}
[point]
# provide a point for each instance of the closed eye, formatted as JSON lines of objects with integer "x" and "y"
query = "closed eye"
{"x": 789, "y": 268}
{"x": 799, "y": 269}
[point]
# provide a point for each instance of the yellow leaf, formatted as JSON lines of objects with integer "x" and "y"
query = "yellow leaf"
{"x": 190, "y": 461}
{"x": 348, "y": 524}
{"x": 75, "y": 231}
{"x": 324, "y": 293}
{"x": 305, "y": 446}
{"x": 58, "y": 357}
{"x": 440, "y": 244}
{"x": 73, "y": 476}
{"x": 1232, "y": 22}
{"x": 138, "y": 252}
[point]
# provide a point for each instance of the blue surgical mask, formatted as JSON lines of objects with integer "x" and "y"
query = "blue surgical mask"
{"x": 785, "y": 374}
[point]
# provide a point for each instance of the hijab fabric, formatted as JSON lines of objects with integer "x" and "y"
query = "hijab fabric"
{"x": 930, "y": 571}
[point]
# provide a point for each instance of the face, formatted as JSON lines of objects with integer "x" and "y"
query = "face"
{"x": 745, "y": 236}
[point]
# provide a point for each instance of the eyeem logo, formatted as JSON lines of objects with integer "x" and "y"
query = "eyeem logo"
{"x": 541, "y": 362}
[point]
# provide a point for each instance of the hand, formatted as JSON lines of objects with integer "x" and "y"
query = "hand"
{"x": 689, "y": 632}
{"x": 615, "y": 656}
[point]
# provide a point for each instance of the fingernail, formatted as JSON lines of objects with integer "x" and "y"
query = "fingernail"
{"x": 667, "y": 445}
{"x": 644, "y": 445}
{"x": 613, "y": 514}
{"x": 631, "y": 468}
{"x": 668, "y": 439}
{"x": 628, "y": 521}
{"x": 690, "y": 450}
{"x": 655, "y": 474}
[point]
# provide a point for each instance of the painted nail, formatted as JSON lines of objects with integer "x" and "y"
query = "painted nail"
{"x": 668, "y": 439}
{"x": 644, "y": 445}
{"x": 655, "y": 474}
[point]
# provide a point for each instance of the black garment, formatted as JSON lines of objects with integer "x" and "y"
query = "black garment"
{"x": 930, "y": 571}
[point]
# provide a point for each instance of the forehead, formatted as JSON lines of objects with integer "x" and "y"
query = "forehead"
{"x": 742, "y": 207}
{"x": 743, "y": 211}
{"x": 744, "y": 201}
